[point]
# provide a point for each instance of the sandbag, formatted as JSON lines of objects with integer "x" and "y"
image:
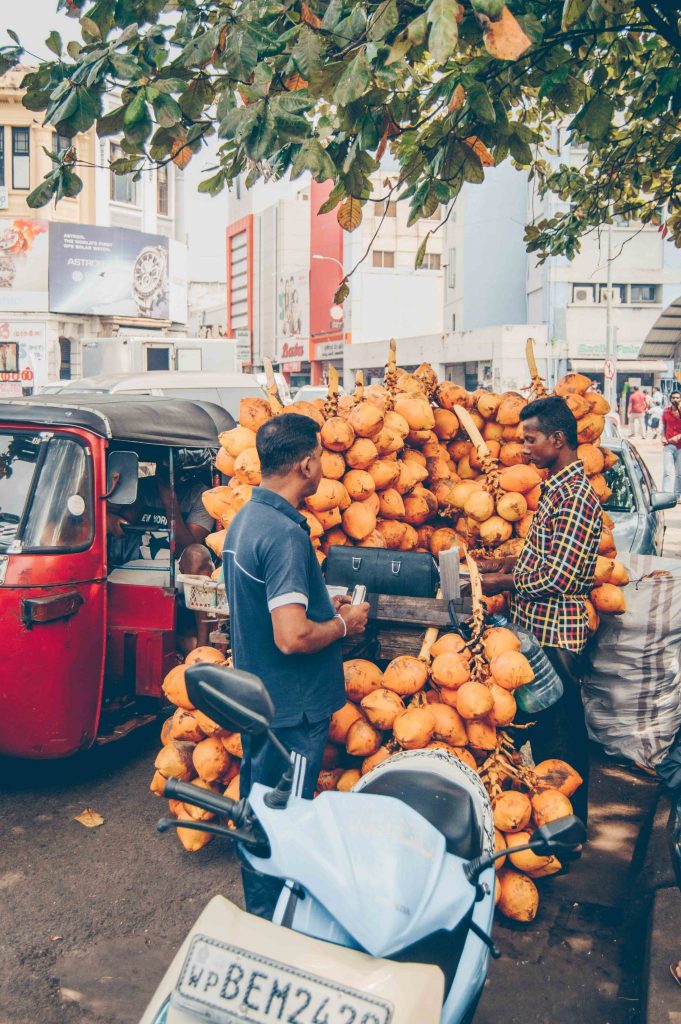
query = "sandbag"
{"x": 632, "y": 691}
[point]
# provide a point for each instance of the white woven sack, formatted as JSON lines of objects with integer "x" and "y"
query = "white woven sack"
{"x": 632, "y": 693}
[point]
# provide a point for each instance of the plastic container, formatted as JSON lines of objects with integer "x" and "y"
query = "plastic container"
{"x": 546, "y": 688}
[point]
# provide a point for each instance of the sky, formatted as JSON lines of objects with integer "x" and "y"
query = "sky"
{"x": 33, "y": 20}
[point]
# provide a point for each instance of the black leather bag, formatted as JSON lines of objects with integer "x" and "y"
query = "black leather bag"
{"x": 382, "y": 571}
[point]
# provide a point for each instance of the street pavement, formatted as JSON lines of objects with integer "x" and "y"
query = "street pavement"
{"x": 92, "y": 917}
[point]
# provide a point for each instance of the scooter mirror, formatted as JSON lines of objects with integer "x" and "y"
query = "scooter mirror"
{"x": 564, "y": 832}
{"x": 121, "y": 478}
{"x": 237, "y": 701}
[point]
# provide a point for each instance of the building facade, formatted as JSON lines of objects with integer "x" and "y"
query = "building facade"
{"x": 110, "y": 261}
{"x": 285, "y": 261}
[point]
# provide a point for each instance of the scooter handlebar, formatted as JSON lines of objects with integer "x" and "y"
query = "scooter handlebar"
{"x": 204, "y": 798}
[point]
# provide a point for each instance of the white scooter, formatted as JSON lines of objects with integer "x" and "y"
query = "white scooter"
{"x": 386, "y": 914}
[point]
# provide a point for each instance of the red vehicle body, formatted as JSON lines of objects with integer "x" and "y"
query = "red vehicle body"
{"x": 78, "y": 634}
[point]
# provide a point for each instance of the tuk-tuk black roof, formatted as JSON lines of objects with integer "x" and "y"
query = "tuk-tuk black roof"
{"x": 174, "y": 422}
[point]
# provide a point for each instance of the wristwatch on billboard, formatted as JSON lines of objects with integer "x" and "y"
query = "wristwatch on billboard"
{"x": 10, "y": 243}
{"x": 150, "y": 278}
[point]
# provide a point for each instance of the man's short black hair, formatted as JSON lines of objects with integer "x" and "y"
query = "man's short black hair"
{"x": 285, "y": 440}
{"x": 675, "y": 392}
{"x": 553, "y": 413}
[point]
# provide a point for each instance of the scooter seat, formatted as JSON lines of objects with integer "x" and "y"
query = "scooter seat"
{"x": 440, "y": 801}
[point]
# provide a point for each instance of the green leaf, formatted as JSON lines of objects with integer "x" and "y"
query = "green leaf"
{"x": 74, "y": 49}
{"x": 573, "y": 10}
{"x": 332, "y": 15}
{"x": 111, "y": 123}
{"x": 13, "y": 36}
{"x": 54, "y": 43}
{"x": 480, "y": 102}
{"x": 69, "y": 185}
{"x": 240, "y": 55}
{"x": 41, "y": 195}
{"x": 214, "y": 185}
{"x": 307, "y": 53}
{"x": 520, "y": 151}
{"x": 137, "y": 123}
{"x": 353, "y": 82}
{"x": 342, "y": 292}
{"x": 385, "y": 19}
{"x": 421, "y": 253}
{"x": 314, "y": 158}
{"x": 167, "y": 110}
{"x": 90, "y": 29}
{"x": 337, "y": 193}
{"x": 399, "y": 49}
{"x": 595, "y": 118}
{"x": 492, "y": 8}
{"x": 443, "y": 28}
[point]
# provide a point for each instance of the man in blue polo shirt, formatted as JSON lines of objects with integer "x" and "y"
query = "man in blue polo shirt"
{"x": 284, "y": 626}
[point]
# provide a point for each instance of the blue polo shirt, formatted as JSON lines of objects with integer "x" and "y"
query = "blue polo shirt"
{"x": 269, "y": 562}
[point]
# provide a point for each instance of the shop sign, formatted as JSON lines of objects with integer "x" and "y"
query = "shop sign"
{"x": 23, "y": 354}
{"x": 293, "y": 351}
{"x": 596, "y": 350}
{"x": 329, "y": 350}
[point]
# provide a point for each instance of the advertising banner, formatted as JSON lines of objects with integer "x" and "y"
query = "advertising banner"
{"x": 23, "y": 356}
{"x": 293, "y": 316}
{"x": 24, "y": 256}
{"x": 108, "y": 272}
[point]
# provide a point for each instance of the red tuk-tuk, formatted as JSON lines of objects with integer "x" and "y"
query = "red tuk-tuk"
{"x": 79, "y": 635}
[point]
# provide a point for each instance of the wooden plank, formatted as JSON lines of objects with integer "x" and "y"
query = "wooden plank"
{"x": 420, "y": 611}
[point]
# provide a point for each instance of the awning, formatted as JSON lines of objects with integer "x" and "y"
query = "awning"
{"x": 623, "y": 365}
{"x": 665, "y": 334}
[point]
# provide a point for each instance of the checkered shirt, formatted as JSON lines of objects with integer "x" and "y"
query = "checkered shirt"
{"x": 555, "y": 570}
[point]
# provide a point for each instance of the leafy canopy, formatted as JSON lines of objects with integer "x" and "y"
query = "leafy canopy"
{"x": 326, "y": 86}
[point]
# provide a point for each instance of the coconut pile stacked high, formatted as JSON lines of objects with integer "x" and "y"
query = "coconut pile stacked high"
{"x": 401, "y": 471}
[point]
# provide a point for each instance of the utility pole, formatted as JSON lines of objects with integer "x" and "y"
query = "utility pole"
{"x": 610, "y": 381}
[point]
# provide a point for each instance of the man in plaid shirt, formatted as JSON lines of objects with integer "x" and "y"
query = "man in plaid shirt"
{"x": 552, "y": 578}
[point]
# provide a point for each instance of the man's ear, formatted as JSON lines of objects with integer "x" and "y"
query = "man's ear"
{"x": 558, "y": 439}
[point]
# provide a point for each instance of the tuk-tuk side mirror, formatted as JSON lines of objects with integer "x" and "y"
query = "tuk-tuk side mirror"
{"x": 121, "y": 478}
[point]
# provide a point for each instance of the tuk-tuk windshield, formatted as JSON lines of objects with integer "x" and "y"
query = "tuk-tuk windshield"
{"x": 45, "y": 493}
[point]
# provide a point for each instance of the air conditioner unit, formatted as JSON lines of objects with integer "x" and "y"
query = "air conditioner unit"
{"x": 4, "y": 197}
{"x": 583, "y": 296}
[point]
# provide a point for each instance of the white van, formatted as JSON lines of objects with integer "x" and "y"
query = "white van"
{"x": 224, "y": 389}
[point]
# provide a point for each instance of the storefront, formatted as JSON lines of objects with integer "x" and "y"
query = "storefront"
{"x": 325, "y": 352}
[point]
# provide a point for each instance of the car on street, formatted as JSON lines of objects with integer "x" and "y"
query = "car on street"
{"x": 636, "y": 506}
{"x": 308, "y": 392}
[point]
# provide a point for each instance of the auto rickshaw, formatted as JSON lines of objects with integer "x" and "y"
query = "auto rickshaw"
{"x": 84, "y": 640}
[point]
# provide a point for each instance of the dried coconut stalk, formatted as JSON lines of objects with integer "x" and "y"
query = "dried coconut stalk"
{"x": 359, "y": 387}
{"x": 331, "y": 403}
{"x": 272, "y": 389}
{"x": 537, "y": 383}
{"x": 429, "y": 639}
{"x": 489, "y": 464}
{"x": 427, "y": 376}
{"x": 390, "y": 379}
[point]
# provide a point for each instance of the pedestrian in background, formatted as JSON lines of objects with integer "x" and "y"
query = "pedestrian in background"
{"x": 636, "y": 411}
{"x": 671, "y": 439}
{"x": 656, "y": 407}
{"x": 646, "y": 415}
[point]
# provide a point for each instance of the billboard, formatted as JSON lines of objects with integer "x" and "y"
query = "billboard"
{"x": 293, "y": 316}
{"x": 24, "y": 257}
{"x": 108, "y": 272}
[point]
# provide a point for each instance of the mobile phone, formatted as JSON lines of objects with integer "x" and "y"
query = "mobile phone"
{"x": 359, "y": 594}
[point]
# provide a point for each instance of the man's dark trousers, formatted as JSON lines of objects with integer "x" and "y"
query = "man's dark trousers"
{"x": 263, "y": 763}
{"x": 560, "y": 731}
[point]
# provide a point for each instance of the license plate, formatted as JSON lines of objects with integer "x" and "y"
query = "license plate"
{"x": 224, "y": 984}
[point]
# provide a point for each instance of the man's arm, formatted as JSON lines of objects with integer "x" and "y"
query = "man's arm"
{"x": 294, "y": 633}
{"x": 186, "y": 533}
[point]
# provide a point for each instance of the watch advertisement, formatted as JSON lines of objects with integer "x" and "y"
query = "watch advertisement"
{"x": 108, "y": 272}
{"x": 23, "y": 264}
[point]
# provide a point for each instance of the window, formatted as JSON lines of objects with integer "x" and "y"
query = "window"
{"x": 431, "y": 261}
{"x": 622, "y": 498}
{"x": 54, "y": 509}
{"x": 21, "y": 158}
{"x": 162, "y": 191}
{"x": 2, "y": 155}
{"x": 389, "y": 208}
{"x": 64, "y": 358}
{"x": 383, "y": 258}
{"x": 60, "y": 142}
{"x": 643, "y": 293}
{"x": 123, "y": 188}
{"x": 451, "y": 269}
{"x": 617, "y": 293}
